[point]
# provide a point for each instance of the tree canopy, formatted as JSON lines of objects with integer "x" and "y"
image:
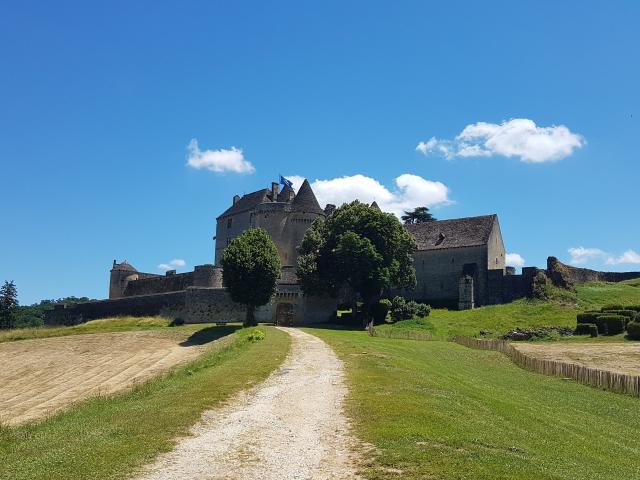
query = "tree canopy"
{"x": 359, "y": 247}
{"x": 418, "y": 215}
{"x": 251, "y": 268}
{"x": 8, "y": 304}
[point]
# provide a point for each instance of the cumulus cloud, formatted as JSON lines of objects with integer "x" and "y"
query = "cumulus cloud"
{"x": 410, "y": 191}
{"x": 514, "y": 260}
{"x": 628, "y": 257}
{"x": 580, "y": 255}
{"x": 218, "y": 161}
{"x": 518, "y": 137}
{"x": 176, "y": 262}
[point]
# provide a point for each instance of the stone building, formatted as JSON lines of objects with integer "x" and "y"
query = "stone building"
{"x": 459, "y": 263}
{"x": 453, "y": 253}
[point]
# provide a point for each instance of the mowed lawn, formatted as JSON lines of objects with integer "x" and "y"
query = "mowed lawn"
{"x": 111, "y": 437}
{"x": 440, "y": 410}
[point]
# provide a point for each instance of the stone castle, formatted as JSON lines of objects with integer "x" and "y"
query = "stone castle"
{"x": 460, "y": 263}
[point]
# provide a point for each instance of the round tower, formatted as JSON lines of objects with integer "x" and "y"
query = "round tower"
{"x": 121, "y": 275}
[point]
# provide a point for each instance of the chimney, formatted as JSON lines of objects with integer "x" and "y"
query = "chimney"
{"x": 235, "y": 199}
{"x": 274, "y": 190}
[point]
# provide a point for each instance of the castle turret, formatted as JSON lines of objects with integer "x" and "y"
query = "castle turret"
{"x": 121, "y": 275}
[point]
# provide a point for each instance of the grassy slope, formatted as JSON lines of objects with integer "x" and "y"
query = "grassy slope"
{"x": 499, "y": 319}
{"x": 110, "y": 437}
{"x": 439, "y": 410}
{"x": 120, "y": 324}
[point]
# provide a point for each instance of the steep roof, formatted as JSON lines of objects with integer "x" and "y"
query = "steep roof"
{"x": 248, "y": 201}
{"x": 457, "y": 232}
{"x": 306, "y": 200}
{"x": 286, "y": 193}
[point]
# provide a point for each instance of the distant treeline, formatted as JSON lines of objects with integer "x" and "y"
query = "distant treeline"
{"x": 33, "y": 315}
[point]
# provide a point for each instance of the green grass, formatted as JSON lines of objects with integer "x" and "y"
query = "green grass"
{"x": 107, "y": 325}
{"x": 560, "y": 311}
{"x": 111, "y": 437}
{"x": 440, "y": 410}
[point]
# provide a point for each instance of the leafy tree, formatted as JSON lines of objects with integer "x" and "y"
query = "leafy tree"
{"x": 418, "y": 215}
{"x": 251, "y": 267}
{"x": 359, "y": 247}
{"x": 8, "y": 304}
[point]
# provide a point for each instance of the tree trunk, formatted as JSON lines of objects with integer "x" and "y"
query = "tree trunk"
{"x": 250, "y": 320}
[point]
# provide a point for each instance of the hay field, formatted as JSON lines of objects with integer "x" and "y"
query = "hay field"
{"x": 40, "y": 377}
{"x": 615, "y": 357}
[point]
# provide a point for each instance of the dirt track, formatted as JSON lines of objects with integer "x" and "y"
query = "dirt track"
{"x": 289, "y": 427}
{"x": 616, "y": 357}
{"x": 39, "y": 377}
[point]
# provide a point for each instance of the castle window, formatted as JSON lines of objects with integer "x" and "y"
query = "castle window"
{"x": 496, "y": 260}
{"x": 440, "y": 239}
{"x": 229, "y": 221}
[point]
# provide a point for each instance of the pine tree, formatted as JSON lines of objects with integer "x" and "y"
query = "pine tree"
{"x": 418, "y": 215}
{"x": 8, "y": 305}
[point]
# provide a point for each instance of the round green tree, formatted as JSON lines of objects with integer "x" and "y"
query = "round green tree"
{"x": 251, "y": 268}
{"x": 359, "y": 247}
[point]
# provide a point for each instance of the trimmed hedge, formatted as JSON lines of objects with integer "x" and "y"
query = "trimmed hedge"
{"x": 608, "y": 308}
{"x": 587, "y": 329}
{"x": 635, "y": 308}
{"x": 633, "y": 330}
{"x": 613, "y": 324}
{"x": 587, "y": 317}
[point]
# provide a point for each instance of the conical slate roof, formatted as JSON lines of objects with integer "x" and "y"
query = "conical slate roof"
{"x": 375, "y": 205}
{"x": 306, "y": 200}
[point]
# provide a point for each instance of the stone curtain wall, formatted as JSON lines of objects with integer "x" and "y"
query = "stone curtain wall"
{"x": 148, "y": 284}
{"x": 193, "y": 305}
{"x": 566, "y": 276}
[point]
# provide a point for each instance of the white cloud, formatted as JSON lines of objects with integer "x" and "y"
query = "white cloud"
{"x": 514, "y": 260}
{"x": 580, "y": 255}
{"x": 628, "y": 257}
{"x": 176, "y": 262}
{"x": 410, "y": 191}
{"x": 218, "y": 161}
{"x": 518, "y": 137}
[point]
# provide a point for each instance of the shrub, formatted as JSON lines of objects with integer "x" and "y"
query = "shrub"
{"x": 607, "y": 308}
{"x": 587, "y": 317}
{"x": 630, "y": 314}
{"x": 593, "y": 330}
{"x": 403, "y": 310}
{"x": 585, "y": 329}
{"x": 635, "y": 308}
{"x": 614, "y": 324}
{"x": 256, "y": 336}
{"x": 633, "y": 330}
{"x": 423, "y": 310}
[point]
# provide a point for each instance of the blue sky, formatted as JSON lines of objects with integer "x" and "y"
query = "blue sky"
{"x": 524, "y": 109}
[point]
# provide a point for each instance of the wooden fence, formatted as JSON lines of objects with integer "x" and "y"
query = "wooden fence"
{"x": 607, "y": 380}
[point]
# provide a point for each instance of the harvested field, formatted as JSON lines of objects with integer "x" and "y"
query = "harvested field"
{"x": 615, "y": 357}
{"x": 39, "y": 377}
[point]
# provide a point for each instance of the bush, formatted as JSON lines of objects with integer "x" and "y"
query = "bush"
{"x": 633, "y": 330}
{"x": 403, "y": 310}
{"x": 585, "y": 329}
{"x": 423, "y": 310}
{"x": 614, "y": 324}
{"x": 256, "y": 336}
{"x": 635, "y": 308}
{"x": 630, "y": 314}
{"x": 607, "y": 308}
{"x": 593, "y": 330}
{"x": 587, "y": 317}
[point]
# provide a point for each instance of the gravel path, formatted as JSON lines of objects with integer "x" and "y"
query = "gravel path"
{"x": 289, "y": 427}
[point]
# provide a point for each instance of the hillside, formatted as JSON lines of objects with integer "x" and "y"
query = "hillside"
{"x": 495, "y": 320}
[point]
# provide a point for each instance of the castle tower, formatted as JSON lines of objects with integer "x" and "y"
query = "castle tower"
{"x": 121, "y": 275}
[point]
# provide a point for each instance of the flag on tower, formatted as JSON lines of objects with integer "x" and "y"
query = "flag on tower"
{"x": 284, "y": 181}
